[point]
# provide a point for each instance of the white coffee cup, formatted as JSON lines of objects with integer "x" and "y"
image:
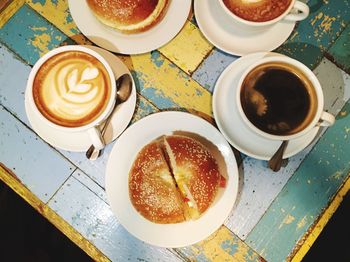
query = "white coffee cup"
{"x": 315, "y": 116}
{"x": 91, "y": 127}
{"x": 296, "y": 11}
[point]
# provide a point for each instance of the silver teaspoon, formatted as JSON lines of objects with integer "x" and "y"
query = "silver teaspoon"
{"x": 276, "y": 160}
{"x": 123, "y": 85}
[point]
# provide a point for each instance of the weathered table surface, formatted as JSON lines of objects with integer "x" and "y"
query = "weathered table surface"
{"x": 278, "y": 215}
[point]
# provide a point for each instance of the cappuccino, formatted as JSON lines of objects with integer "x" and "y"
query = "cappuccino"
{"x": 278, "y": 98}
{"x": 257, "y": 10}
{"x": 71, "y": 89}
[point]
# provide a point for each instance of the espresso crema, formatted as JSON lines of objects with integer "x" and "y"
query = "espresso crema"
{"x": 257, "y": 10}
{"x": 72, "y": 89}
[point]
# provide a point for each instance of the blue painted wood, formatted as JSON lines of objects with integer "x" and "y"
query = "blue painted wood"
{"x": 315, "y": 35}
{"x": 31, "y": 35}
{"x": 211, "y": 68}
{"x": 83, "y": 208}
{"x": 13, "y": 79}
{"x": 22, "y": 151}
{"x": 307, "y": 193}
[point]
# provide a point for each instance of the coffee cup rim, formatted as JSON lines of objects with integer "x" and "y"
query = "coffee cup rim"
{"x": 308, "y": 73}
{"x": 253, "y": 23}
{"x": 58, "y": 50}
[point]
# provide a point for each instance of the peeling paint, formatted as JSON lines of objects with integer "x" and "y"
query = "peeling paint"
{"x": 287, "y": 220}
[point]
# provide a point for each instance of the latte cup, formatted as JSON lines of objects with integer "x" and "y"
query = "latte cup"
{"x": 72, "y": 89}
{"x": 279, "y": 98}
{"x": 293, "y": 10}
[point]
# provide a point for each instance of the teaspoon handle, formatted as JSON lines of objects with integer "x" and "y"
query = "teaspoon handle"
{"x": 276, "y": 160}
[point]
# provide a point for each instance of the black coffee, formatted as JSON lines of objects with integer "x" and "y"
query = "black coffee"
{"x": 278, "y": 99}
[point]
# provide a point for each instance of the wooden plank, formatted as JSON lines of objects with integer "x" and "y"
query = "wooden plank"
{"x": 22, "y": 151}
{"x": 10, "y": 179}
{"x": 168, "y": 87}
{"x": 261, "y": 185}
{"x": 57, "y": 12}
{"x": 220, "y": 246}
{"x": 211, "y": 68}
{"x": 306, "y": 194}
{"x": 7, "y": 9}
{"x": 314, "y": 35}
{"x": 339, "y": 53}
{"x": 312, "y": 235}
{"x": 188, "y": 41}
{"x": 85, "y": 211}
{"x": 30, "y": 35}
{"x": 13, "y": 78}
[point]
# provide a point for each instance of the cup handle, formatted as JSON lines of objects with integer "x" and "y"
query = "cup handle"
{"x": 299, "y": 12}
{"x": 326, "y": 119}
{"x": 96, "y": 138}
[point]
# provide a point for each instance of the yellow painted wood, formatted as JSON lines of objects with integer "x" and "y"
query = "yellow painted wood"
{"x": 311, "y": 237}
{"x": 57, "y": 12}
{"x": 15, "y": 184}
{"x": 9, "y": 11}
{"x": 171, "y": 83}
{"x": 221, "y": 246}
{"x": 189, "y": 41}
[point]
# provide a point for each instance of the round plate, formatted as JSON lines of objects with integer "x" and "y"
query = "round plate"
{"x": 117, "y": 174}
{"x": 115, "y": 41}
{"x": 231, "y": 123}
{"x": 224, "y": 33}
{"x": 80, "y": 141}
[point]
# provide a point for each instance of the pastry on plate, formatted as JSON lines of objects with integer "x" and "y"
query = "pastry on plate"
{"x": 129, "y": 16}
{"x": 174, "y": 179}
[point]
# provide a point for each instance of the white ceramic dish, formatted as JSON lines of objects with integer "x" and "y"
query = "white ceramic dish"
{"x": 115, "y": 41}
{"x": 80, "y": 141}
{"x": 117, "y": 174}
{"x": 220, "y": 29}
{"x": 231, "y": 123}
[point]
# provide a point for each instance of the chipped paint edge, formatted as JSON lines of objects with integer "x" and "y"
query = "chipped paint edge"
{"x": 10, "y": 179}
{"x": 310, "y": 237}
{"x": 9, "y": 11}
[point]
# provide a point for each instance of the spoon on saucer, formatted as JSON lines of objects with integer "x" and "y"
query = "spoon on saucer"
{"x": 276, "y": 160}
{"x": 123, "y": 85}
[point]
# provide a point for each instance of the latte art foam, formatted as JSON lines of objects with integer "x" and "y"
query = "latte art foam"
{"x": 257, "y": 10}
{"x": 71, "y": 89}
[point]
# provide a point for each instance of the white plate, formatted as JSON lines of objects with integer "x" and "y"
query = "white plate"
{"x": 231, "y": 124}
{"x": 115, "y": 41}
{"x": 117, "y": 173}
{"x": 220, "y": 29}
{"x": 80, "y": 141}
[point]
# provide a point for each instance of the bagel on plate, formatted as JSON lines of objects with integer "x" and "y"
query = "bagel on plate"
{"x": 129, "y": 16}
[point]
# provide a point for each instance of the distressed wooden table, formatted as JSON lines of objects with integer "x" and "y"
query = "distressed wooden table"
{"x": 278, "y": 215}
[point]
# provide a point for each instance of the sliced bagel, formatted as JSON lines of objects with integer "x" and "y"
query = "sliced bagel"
{"x": 196, "y": 173}
{"x": 129, "y": 16}
{"x": 152, "y": 189}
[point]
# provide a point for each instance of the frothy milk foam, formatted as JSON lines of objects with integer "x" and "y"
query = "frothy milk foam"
{"x": 71, "y": 88}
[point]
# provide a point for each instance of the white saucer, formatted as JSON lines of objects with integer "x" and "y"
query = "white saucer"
{"x": 220, "y": 29}
{"x": 231, "y": 124}
{"x": 115, "y": 41}
{"x": 80, "y": 141}
{"x": 117, "y": 179}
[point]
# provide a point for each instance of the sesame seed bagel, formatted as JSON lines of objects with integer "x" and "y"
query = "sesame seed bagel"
{"x": 129, "y": 16}
{"x": 196, "y": 173}
{"x": 152, "y": 189}
{"x": 173, "y": 179}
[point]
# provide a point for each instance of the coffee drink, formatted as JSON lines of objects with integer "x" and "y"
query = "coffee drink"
{"x": 257, "y": 10}
{"x": 71, "y": 88}
{"x": 278, "y": 98}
